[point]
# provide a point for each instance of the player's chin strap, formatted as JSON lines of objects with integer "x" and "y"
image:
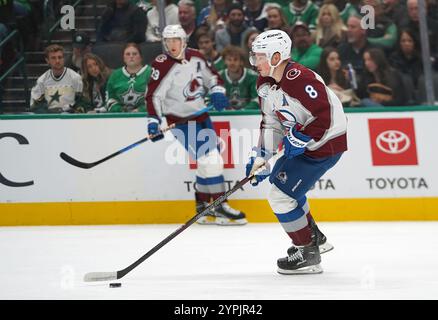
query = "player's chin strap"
{"x": 272, "y": 68}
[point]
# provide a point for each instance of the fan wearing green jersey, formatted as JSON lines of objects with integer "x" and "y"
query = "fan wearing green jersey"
{"x": 301, "y": 10}
{"x": 240, "y": 82}
{"x": 126, "y": 86}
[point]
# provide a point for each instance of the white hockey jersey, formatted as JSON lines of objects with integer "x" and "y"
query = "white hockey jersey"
{"x": 302, "y": 99}
{"x": 177, "y": 88}
{"x": 59, "y": 92}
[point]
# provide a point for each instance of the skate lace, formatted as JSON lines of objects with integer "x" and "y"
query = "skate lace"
{"x": 297, "y": 255}
{"x": 227, "y": 208}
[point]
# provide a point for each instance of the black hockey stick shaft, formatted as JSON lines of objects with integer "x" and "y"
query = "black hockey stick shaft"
{"x": 104, "y": 276}
{"x": 107, "y": 276}
{"x": 88, "y": 165}
{"x": 218, "y": 201}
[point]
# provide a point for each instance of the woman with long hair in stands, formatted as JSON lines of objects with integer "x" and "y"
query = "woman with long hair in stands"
{"x": 215, "y": 15}
{"x": 127, "y": 85}
{"x": 330, "y": 29}
{"x": 277, "y": 20}
{"x": 95, "y": 75}
{"x": 380, "y": 85}
{"x": 330, "y": 69}
{"x": 407, "y": 57}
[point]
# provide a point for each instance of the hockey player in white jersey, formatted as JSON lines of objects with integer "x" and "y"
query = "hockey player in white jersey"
{"x": 59, "y": 89}
{"x": 176, "y": 91}
{"x": 302, "y": 113}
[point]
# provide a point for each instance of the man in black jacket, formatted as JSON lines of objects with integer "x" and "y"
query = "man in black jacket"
{"x": 122, "y": 22}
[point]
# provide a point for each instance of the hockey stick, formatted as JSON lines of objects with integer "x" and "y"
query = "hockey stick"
{"x": 108, "y": 276}
{"x": 88, "y": 165}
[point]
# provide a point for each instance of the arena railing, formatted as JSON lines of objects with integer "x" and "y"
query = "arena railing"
{"x": 20, "y": 62}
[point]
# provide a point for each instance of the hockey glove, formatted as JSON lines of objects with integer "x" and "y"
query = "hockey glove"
{"x": 257, "y": 160}
{"x": 219, "y": 101}
{"x": 295, "y": 143}
{"x": 154, "y": 131}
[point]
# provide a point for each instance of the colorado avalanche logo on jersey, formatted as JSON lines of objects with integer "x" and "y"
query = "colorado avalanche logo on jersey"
{"x": 292, "y": 74}
{"x": 194, "y": 89}
{"x": 286, "y": 117}
{"x": 161, "y": 58}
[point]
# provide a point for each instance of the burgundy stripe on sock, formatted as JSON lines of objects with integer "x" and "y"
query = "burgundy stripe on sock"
{"x": 301, "y": 237}
{"x": 201, "y": 196}
{"x": 216, "y": 195}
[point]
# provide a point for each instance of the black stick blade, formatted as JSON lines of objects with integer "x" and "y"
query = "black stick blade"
{"x": 75, "y": 162}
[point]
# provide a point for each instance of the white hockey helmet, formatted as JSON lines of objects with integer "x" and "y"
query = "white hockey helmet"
{"x": 175, "y": 31}
{"x": 270, "y": 42}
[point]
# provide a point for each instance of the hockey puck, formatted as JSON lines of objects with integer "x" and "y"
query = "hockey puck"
{"x": 115, "y": 285}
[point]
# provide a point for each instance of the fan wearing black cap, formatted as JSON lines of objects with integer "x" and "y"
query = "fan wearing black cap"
{"x": 305, "y": 51}
{"x": 81, "y": 46}
{"x": 235, "y": 30}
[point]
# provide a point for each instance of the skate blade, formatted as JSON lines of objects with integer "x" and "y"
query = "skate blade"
{"x": 207, "y": 220}
{"x": 222, "y": 221}
{"x": 306, "y": 270}
{"x": 325, "y": 247}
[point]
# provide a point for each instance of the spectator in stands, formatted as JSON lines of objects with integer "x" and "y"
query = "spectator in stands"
{"x": 432, "y": 24}
{"x": 235, "y": 29}
{"x": 352, "y": 49}
{"x": 407, "y": 60}
{"x": 397, "y": 12}
{"x": 305, "y": 51}
{"x": 240, "y": 82}
{"x": 330, "y": 29}
{"x": 153, "y": 33}
{"x": 301, "y": 10}
{"x": 187, "y": 20}
{"x": 277, "y": 20}
{"x": 122, "y": 22}
{"x": 81, "y": 46}
{"x": 95, "y": 75}
{"x": 380, "y": 85}
{"x": 346, "y": 8}
{"x": 247, "y": 44}
{"x": 126, "y": 86}
{"x": 330, "y": 69}
{"x": 384, "y": 34}
{"x": 207, "y": 47}
{"x": 59, "y": 89}
{"x": 215, "y": 15}
{"x": 255, "y": 12}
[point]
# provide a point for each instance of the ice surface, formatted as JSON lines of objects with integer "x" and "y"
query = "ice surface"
{"x": 371, "y": 260}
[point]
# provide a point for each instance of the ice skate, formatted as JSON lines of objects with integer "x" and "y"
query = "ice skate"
{"x": 209, "y": 217}
{"x": 227, "y": 216}
{"x": 320, "y": 238}
{"x": 301, "y": 260}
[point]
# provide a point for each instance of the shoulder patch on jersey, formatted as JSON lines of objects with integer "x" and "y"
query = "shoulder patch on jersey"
{"x": 161, "y": 58}
{"x": 292, "y": 74}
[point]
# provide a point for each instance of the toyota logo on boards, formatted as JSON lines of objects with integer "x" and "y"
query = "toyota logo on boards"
{"x": 393, "y": 142}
